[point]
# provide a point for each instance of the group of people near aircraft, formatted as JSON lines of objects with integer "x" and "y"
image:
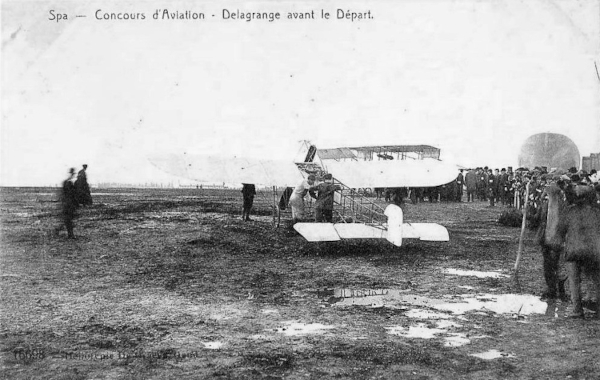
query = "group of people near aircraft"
{"x": 498, "y": 186}
{"x": 321, "y": 191}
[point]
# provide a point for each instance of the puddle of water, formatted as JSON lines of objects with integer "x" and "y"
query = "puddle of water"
{"x": 22, "y": 214}
{"x": 444, "y": 324}
{"x": 393, "y": 298}
{"x": 299, "y": 329}
{"x": 379, "y": 297}
{"x": 426, "y": 314}
{"x": 260, "y": 337}
{"x": 418, "y": 331}
{"x": 466, "y": 287}
{"x": 114, "y": 194}
{"x": 475, "y": 273}
{"x": 212, "y": 345}
{"x": 456, "y": 340}
{"x": 492, "y": 354}
{"x": 421, "y": 331}
{"x": 521, "y": 304}
{"x": 269, "y": 311}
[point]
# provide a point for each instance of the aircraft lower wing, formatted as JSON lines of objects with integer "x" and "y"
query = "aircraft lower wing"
{"x": 315, "y": 232}
{"x": 213, "y": 169}
{"x": 392, "y": 173}
{"x": 394, "y": 231}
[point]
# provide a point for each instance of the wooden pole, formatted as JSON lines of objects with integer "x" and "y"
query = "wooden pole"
{"x": 523, "y": 225}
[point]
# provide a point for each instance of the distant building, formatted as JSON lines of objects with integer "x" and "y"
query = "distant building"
{"x": 591, "y": 162}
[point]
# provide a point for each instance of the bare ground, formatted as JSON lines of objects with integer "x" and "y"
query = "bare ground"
{"x": 171, "y": 284}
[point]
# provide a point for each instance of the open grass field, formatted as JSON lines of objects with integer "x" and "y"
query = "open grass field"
{"x": 172, "y": 284}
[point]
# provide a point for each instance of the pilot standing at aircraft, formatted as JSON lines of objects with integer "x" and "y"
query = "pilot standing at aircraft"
{"x": 324, "y": 197}
{"x": 297, "y": 198}
{"x": 69, "y": 204}
{"x": 248, "y": 192}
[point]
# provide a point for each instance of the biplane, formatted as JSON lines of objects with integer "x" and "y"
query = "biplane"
{"x": 354, "y": 169}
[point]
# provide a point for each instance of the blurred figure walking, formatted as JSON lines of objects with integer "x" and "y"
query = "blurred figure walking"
{"x": 69, "y": 205}
{"x": 248, "y": 193}
{"x": 82, "y": 188}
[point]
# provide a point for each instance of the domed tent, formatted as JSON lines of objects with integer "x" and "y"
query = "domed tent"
{"x": 551, "y": 150}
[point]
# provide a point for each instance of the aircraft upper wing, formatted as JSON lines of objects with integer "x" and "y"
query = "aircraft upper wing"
{"x": 215, "y": 169}
{"x": 392, "y": 173}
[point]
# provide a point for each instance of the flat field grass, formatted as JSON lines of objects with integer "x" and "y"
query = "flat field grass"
{"x": 170, "y": 283}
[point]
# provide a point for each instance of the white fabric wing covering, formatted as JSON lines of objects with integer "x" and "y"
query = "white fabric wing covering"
{"x": 392, "y": 173}
{"x": 212, "y": 169}
{"x": 314, "y": 232}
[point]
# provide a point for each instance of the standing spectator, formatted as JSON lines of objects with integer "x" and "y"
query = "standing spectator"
{"x": 492, "y": 187}
{"x": 416, "y": 194}
{"x": 388, "y": 194}
{"x": 594, "y": 178}
{"x": 297, "y": 198}
{"x": 69, "y": 205}
{"x": 503, "y": 186}
{"x": 459, "y": 186}
{"x": 248, "y": 193}
{"x": 82, "y": 188}
{"x": 324, "y": 199}
{"x": 483, "y": 183}
{"x": 398, "y": 194}
{"x": 433, "y": 193}
{"x": 471, "y": 182}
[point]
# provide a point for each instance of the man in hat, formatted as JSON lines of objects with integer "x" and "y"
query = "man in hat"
{"x": 248, "y": 193}
{"x": 471, "y": 182}
{"x": 459, "y": 186}
{"x": 502, "y": 186}
{"x": 69, "y": 205}
{"x": 492, "y": 188}
{"x": 324, "y": 199}
{"x": 594, "y": 178}
{"x": 82, "y": 188}
{"x": 482, "y": 183}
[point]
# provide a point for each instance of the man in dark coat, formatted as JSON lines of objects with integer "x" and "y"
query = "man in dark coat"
{"x": 459, "y": 186}
{"x": 482, "y": 183}
{"x": 503, "y": 186}
{"x": 82, "y": 189}
{"x": 492, "y": 188}
{"x": 248, "y": 193}
{"x": 471, "y": 182}
{"x": 324, "y": 199}
{"x": 69, "y": 205}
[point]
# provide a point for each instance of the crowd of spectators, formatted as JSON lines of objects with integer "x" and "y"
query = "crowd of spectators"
{"x": 504, "y": 186}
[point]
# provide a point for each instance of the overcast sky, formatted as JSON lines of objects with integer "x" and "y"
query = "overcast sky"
{"x": 474, "y": 78}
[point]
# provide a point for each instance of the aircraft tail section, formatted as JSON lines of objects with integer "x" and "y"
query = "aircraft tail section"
{"x": 394, "y": 231}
